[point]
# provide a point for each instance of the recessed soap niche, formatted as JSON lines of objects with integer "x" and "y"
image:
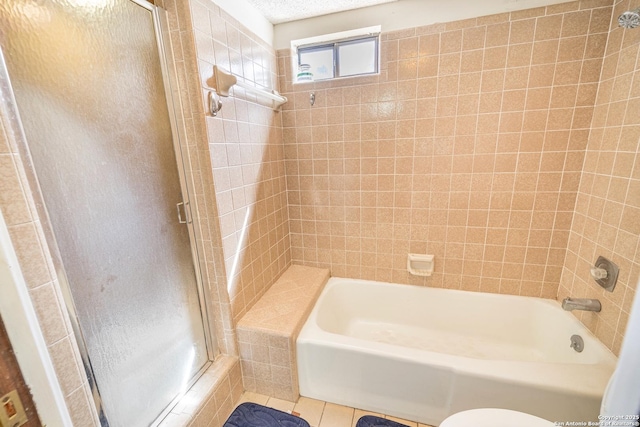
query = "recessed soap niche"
{"x": 420, "y": 264}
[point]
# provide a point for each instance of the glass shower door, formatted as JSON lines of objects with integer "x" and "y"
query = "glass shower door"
{"x": 88, "y": 83}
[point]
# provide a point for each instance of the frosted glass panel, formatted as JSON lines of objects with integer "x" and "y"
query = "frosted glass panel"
{"x": 357, "y": 58}
{"x": 321, "y": 62}
{"x": 88, "y": 83}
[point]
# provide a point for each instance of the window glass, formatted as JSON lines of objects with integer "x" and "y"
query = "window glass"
{"x": 357, "y": 58}
{"x": 320, "y": 60}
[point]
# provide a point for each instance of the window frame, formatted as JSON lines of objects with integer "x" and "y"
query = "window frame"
{"x": 376, "y": 57}
{"x": 333, "y": 42}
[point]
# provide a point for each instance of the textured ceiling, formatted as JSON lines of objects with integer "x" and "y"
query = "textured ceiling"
{"x": 279, "y": 11}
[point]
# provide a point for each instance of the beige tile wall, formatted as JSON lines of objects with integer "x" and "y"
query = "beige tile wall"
{"x": 244, "y": 150}
{"x": 197, "y": 160}
{"x": 469, "y": 146}
{"x": 607, "y": 213}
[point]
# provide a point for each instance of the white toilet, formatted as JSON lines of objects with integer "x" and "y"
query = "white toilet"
{"x": 490, "y": 417}
{"x": 621, "y": 398}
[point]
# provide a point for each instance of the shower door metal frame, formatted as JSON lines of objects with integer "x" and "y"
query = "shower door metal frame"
{"x": 168, "y": 76}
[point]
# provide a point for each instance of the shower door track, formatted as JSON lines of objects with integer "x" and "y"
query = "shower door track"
{"x": 168, "y": 75}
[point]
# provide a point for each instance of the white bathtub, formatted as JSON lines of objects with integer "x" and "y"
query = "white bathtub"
{"x": 423, "y": 354}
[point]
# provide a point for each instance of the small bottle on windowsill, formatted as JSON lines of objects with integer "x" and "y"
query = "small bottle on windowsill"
{"x": 304, "y": 73}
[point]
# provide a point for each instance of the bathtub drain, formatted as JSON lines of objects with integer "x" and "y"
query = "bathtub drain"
{"x": 577, "y": 343}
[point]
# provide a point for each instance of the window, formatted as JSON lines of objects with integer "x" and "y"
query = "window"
{"x": 333, "y": 56}
{"x": 320, "y": 60}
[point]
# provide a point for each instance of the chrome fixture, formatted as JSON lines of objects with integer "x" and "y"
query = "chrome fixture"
{"x": 630, "y": 19}
{"x": 214, "y": 103}
{"x": 586, "y": 304}
{"x": 577, "y": 343}
{"x": 605, "y": 273}
{"x": 312, "y": 98}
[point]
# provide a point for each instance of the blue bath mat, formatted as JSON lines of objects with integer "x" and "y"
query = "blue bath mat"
{"x": 371, "y": 421}
{"x": 254, "y": 415}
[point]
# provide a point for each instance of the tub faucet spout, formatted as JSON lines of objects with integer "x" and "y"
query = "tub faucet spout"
{"x": 586, "y": 304}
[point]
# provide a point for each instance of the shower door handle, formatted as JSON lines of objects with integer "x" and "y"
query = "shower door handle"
{"x": 184, "y": 207}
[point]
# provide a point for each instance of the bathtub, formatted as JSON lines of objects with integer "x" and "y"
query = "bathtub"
{"x": 423, "y": 354}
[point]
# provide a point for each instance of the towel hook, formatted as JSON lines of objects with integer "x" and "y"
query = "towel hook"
{"x": 214, "y": 103}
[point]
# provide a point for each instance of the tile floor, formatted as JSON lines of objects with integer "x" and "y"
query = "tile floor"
{"x": 319, "y": 413}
